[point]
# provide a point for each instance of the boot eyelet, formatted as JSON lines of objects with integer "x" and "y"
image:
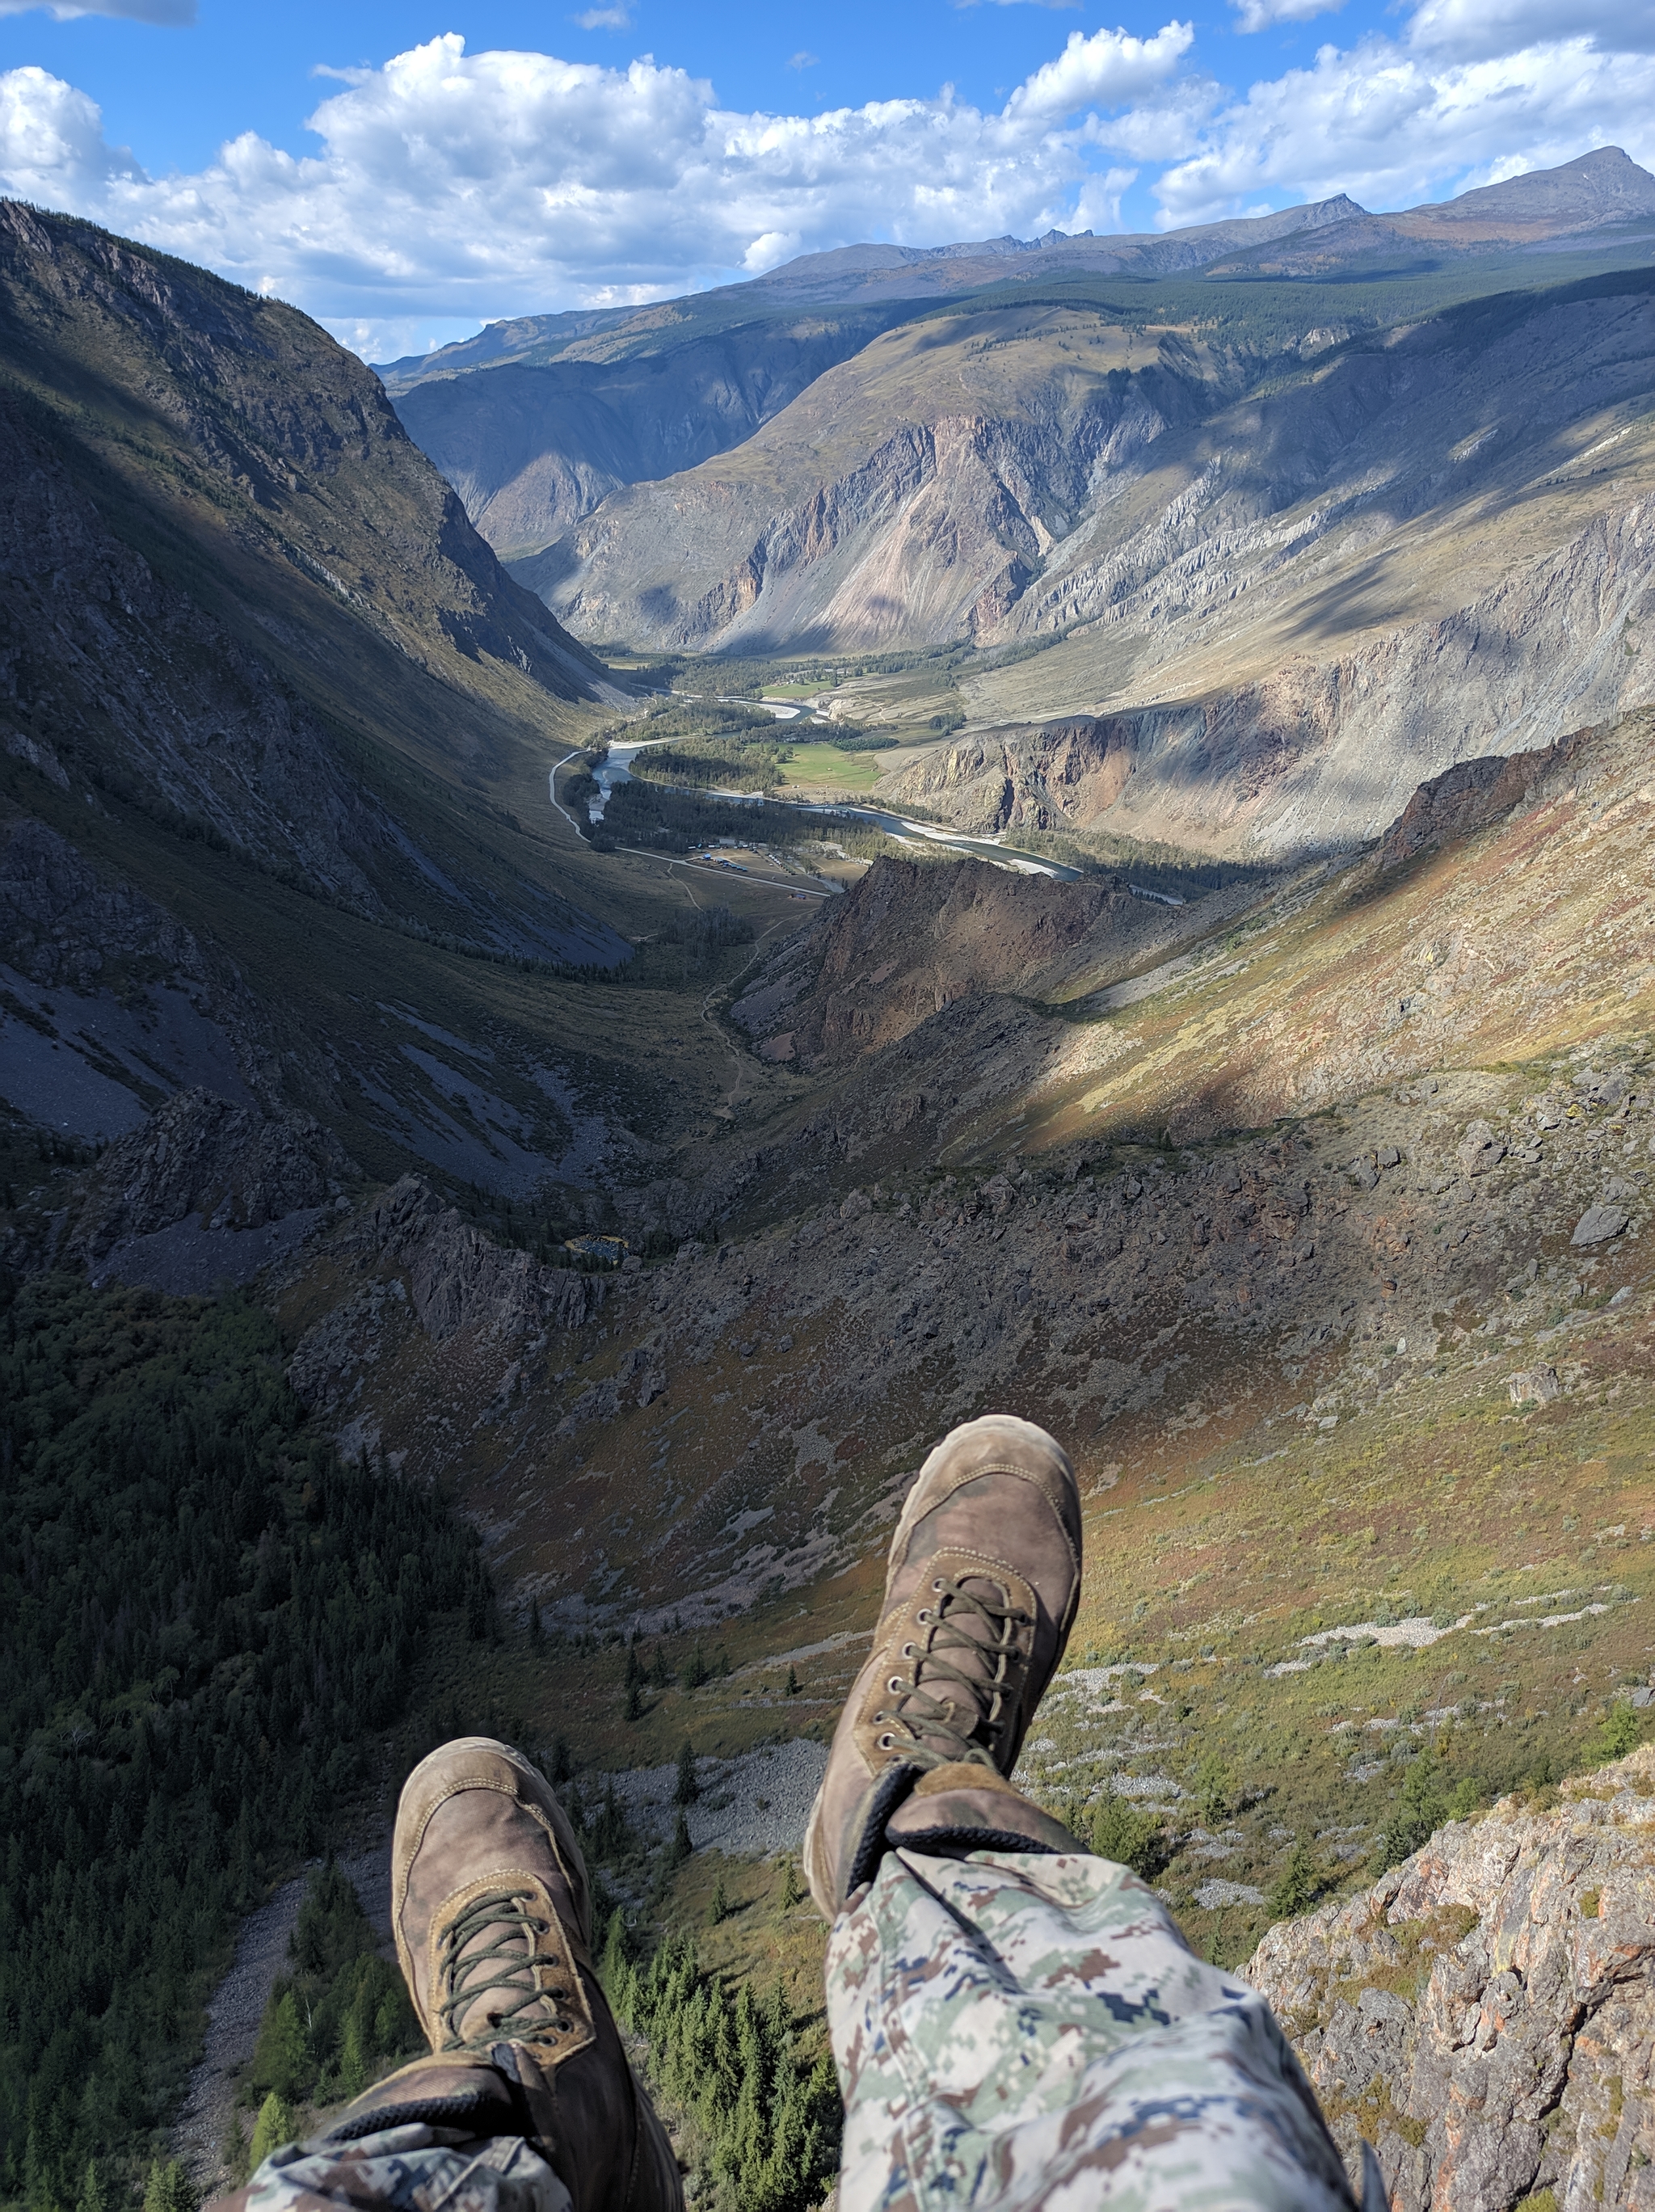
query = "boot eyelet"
{"x": 938, "y": 1584}
{"x": 888, "y": 1743}
{"x": 908, "y": 1650}
{"x": 923, "y": 1614}
{"x": 895, "y": 1682}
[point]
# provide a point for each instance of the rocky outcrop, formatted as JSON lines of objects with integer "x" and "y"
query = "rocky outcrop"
{"x": 1475, "y": 792}
{"x": 429, "y": 1269}
{"x": 459, "y": 1278}
{"x": 234, "y": 1167}
{"x": 1485, "y": 2015}
{"x": 910, "y": 938}
{"x": 64, "y": 923}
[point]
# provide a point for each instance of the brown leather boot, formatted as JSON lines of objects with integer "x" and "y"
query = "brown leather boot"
{"x": 985, "y": 1574}
{"x": 492, "y": 1921}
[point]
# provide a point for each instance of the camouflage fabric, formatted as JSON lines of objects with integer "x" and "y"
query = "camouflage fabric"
{"x": 1013, "y": 2031}
{"x": 411, "y": 2169}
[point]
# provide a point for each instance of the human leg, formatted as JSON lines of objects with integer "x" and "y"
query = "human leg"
{"x": 1017, "y": 2023}
{"x": 526, "y": 2103}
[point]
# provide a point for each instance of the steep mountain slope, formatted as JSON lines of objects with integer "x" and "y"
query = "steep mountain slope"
{"x": 1602, "y": 191}
{"x": 275, "y": 731}
{"x": 532, "y": 448}
{"x": 535, "y": 419}
{"x": 906, "y": 497}
{"x": 1285, "y": 598}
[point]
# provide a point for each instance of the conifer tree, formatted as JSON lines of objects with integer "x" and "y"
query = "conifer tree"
{"x": 688, "y": 1788}
{"x": 168, "y": 2189}
{"x": 273, "y": 2128}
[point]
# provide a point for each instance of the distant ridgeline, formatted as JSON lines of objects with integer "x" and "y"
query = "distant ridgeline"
{"x": 205, "y": 1613}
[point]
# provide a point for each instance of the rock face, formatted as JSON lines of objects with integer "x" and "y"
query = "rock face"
{"x": 533, "y": 447}
{"x": 1485, "y": 2015}
{"x": 236, "y": 1167}
{"x": 910, "y": 938}
{"x": 429, "y": 1273}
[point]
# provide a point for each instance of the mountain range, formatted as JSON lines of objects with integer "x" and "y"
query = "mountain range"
{"x": 1240, "y": 496}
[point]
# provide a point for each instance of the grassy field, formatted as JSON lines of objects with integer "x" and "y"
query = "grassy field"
{"x": 824, "y": 767}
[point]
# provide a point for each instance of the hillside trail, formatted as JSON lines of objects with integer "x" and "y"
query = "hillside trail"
{"x": 237, "y": 2006}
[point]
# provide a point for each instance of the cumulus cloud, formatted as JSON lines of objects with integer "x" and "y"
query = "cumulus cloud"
{"x": 450, "y": 187}
{"x": 51, "y": 142}
{"x": 1388, "y": 123}
{"x": 1102, "y": 71}
{"x": 134, "y": 11}
{"x": 605, "y": 19}
{"x": 500, "y": 183}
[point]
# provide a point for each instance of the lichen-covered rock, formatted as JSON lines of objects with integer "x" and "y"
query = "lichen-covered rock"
{"x": 1485, "y": 2015}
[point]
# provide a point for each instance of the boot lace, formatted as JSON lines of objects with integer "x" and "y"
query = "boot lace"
{"x": 506, "y": 1964}
{"x": 965, "y": 1724}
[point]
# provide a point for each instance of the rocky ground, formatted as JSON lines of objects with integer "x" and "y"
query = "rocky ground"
{"x": 210, "y": 2114}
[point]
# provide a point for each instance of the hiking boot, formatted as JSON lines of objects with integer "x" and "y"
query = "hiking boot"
{"x": 493, "y": 1920}
{"x": 983, "y": 1576}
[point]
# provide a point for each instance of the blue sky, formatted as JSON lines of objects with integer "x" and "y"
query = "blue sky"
{"x": 405, "y": 171}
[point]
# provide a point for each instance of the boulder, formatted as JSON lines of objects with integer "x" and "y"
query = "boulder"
{"x": 1599, "y": 1223}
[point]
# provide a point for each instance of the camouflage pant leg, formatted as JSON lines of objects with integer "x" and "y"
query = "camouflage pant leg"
{"x": 407, "y": 2169}
{"x": 1014, "y": 2032}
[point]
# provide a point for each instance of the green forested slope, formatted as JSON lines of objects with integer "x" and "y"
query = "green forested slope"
{"x": 203, "y": 1613}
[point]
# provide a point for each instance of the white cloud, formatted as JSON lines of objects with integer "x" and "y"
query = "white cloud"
{"x": 450, "y": 187}
{"x": 605, "y": 19}
{"x": 134, "y": 11}
{"x": 1474, "y": 30}
{"x": 804, "y": 59}
{"x": 1259, "y": 14}
{"x": 1104, "y": 70}
{"x": 51, "y": 141}
{"x": 1391, "y": 125}
{"x": 451, "y": 184}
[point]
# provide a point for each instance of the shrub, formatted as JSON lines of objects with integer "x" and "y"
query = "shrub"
{"x": 1130, "y": 1839}
{"x": 1300, "y": 1883}
{"x": 1618, "y": 1732}
{"x": 1419, "y": 1814}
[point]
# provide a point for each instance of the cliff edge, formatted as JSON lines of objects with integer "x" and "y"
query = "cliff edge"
{"x": 1485, "y": 2014}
